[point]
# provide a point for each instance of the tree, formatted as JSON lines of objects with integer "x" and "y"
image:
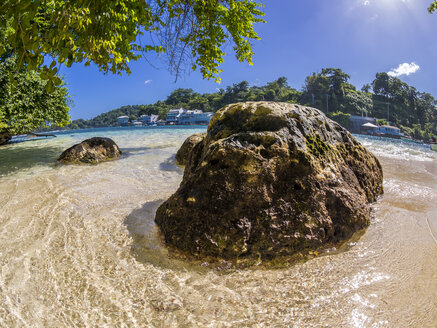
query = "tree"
{"x": 381, "y": 84}
{"x": 366, "y": 88}
{"x": 337, "y": 79}
{"x": 357, "y": 103}
{"x": 331, "y": 82}
{"x": 316, "y": 85}
{"x": 112, "y": 33}
{"x": 25, "y": 103}
{"x": 180, "y": 96}
{"x": 433, "y": 7}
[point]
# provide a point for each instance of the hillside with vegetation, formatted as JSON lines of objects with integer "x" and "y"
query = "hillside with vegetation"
{"x": 386, "y": 98}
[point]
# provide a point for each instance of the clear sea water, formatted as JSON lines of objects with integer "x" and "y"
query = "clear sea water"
{"x": 79, "y": 247}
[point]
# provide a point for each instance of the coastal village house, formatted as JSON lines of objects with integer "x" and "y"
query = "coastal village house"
{"x": 188, "y": 117}
{"x": 367, "y": 125}
{"x": 357, "y": 122}
{"x": 136, "y": 123}
{"x": 123, "y": 120}
{"x": 148, "y": 119}
{"x": 173, "y": 115}
{"x": 369, "y": 128}
{"x": 390, "y": 131}
{"x": 383, "y": 131}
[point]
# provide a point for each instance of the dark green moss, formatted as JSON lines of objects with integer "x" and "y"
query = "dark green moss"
{"x": 317, "y": 147}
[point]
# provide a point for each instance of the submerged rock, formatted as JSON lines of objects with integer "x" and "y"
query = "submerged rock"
{"x": 270, "y": 179}
{"x": 4, "y": 137}
{"x": 186, "y": 148}
{"x": 91, "y": 151}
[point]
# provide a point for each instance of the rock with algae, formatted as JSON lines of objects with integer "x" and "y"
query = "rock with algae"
{"x": 186, "y": 149}
{"x": 91, "y": 151}
{"x": 270, "y": 179}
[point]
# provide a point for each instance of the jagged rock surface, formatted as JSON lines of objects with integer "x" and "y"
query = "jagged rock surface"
{"x": 91, "y": 151}
{"x": 184, "y": 152}
{"x": 270, "y": 179}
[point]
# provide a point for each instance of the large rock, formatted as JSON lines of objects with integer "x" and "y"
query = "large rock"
{"x": 91, "y": 151}
{"x": 270, "y": 179}
{"x": 186, "y": 149}
{"x": 4, "y": 137}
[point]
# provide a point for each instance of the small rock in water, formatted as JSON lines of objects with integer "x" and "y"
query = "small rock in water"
{"x": 270, "y": 179}
{"x": 4, "y": 137}
{"x": 91, "y": 151}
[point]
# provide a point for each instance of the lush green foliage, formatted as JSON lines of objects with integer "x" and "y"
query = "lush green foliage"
{"x": 111, "y": 33}
{"x": 25, "y": 103}
{"x": 361, "y": 102}
{"x": 433, "y": 7}
{"x": 392, "y": 100}
{"x": 327, "y": 87}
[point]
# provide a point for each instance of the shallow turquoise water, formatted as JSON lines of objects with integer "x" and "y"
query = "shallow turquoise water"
{"x": 79, "y": 247}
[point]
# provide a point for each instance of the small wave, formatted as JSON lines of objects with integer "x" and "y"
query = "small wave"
{"x": 397, "y": 149}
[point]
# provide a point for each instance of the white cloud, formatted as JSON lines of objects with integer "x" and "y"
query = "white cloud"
{"x": 404, "y": 69}
{"x": 366, "y": 2}
{"x": 147, "y": 81}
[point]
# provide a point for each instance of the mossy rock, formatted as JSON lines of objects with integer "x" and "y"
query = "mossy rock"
{"x": 270, "y": 180}
{"x": 184, "y": 152}
{"x": 91, "y": 151}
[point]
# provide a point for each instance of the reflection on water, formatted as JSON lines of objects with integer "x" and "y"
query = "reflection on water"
{"x": 145, "y": 234}
{"x": 79, "y": 247}
{"x": 23, "y": 156}
{"x": 170, "y": 165}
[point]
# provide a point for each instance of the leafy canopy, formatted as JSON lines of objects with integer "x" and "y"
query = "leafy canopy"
{"x": 111, "y": 33}
{"x": 25, "y": 103}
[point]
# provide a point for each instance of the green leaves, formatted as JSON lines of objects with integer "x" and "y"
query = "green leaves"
{"x": 217, "y": 23}
{"x": 28, "y": 101}
{"x": 433, "y": 7}
{"x": 109, "y": 33}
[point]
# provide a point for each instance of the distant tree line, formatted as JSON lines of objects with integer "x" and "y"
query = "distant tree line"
{"x": 386, "y": 98}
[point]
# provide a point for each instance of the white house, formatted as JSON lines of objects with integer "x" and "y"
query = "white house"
{"x": 357, "y": 122}
{"x": 173, "y": 115}
{"x": 369, "y": 128}
{"x": 195, "y": 117}
{"x": 384, "y": 130}
{"x": 137, "y": 123}
{"x": 123, "y": 120}
{"x": 188, "y": 117}
{"x": 148, "y": 119}
{"x": 390, "y": 131}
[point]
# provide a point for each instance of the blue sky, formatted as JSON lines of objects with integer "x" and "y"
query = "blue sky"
{"x": 362, "y": 37}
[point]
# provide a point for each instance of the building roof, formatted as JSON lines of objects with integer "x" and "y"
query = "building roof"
{"x": 389, "y": 126}
{"x": 362, "y": 118}
{"x": 369, "y": 125}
